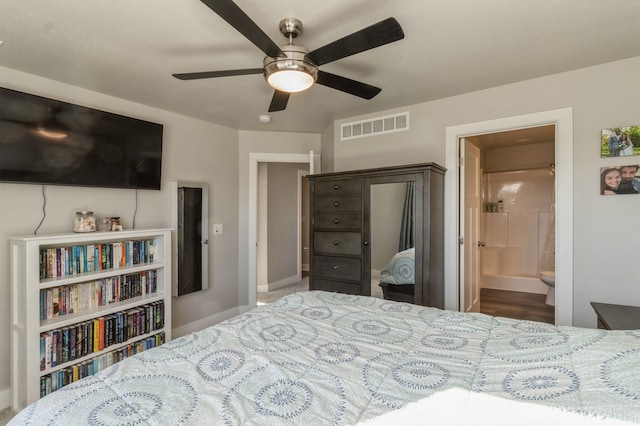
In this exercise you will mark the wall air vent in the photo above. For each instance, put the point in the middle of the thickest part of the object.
(375, 126)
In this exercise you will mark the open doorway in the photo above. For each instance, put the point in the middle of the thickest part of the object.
(280, 228)
(255, 159)
(455, 232)
(506, 201)
(293, 282)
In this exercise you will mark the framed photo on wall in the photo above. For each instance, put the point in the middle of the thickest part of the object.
(620, 141)
(618, 180)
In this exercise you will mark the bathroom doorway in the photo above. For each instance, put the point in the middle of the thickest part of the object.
(456, 240)
(512, 199)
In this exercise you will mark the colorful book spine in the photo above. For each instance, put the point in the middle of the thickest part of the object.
(58, 379)
(73, 260)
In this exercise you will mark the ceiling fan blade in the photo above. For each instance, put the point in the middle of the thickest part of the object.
(347, 85)
(239, 20)
(384, 32)
(212, 74)
(279, 101)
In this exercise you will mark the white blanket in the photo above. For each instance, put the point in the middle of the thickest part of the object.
(455, 407)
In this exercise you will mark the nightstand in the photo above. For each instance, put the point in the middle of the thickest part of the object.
(617, 317)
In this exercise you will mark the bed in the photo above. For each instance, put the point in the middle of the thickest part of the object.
(334, 359)
(397, 277)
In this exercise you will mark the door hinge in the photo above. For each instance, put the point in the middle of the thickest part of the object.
(461, 240)
(460, 161)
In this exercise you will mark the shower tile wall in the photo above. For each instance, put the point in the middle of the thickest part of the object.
(514, 237)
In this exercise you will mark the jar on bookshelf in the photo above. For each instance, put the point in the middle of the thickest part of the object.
(84, 221)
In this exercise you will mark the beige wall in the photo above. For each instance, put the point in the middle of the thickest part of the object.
(605, 257)
(327, 150)
(193, 150)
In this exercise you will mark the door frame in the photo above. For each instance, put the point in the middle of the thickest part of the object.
(301, 175)
(254, 159)
(563, 120)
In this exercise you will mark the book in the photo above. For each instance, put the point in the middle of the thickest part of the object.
(101, 332)
(96, 335)
(91, 258)
(43, 352)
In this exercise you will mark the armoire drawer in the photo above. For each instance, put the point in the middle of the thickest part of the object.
(338, 187)
(340, 268)
(337, 204)
(337, 242)
(338, 220)
(336, 286)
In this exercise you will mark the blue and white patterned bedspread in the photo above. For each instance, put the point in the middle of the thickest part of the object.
(321, 358)
(400, 269)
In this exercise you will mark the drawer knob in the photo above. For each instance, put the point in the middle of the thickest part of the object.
(335, 268)
(336, 221)
(336, 242)
(366, 243)
(336, 204)
(336, 187)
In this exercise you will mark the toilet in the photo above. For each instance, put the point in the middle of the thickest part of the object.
(549, 278)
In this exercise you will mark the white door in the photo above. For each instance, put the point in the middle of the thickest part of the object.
(470, 208)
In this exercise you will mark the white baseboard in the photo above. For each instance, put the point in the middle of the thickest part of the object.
(278, 284)
(245, 308)
(5, 399)
(204, 322)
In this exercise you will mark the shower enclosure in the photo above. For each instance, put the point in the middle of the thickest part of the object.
(517, 215)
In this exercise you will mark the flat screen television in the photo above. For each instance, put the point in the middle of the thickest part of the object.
(45, 141)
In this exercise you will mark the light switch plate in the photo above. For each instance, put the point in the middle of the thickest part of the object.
(217, 229)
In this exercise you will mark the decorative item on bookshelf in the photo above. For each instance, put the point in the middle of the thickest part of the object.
(84, 221)
(111, 223)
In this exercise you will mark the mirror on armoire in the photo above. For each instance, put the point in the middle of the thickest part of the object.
(190, 211)
(392, 238)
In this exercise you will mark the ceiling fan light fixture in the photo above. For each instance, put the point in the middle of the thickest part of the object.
(290, 81)
(291, 74)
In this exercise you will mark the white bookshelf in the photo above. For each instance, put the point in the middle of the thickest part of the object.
(27, 322)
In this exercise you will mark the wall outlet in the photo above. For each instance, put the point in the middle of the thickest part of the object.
(217, 229)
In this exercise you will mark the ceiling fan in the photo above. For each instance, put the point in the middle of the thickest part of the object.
(290, 69)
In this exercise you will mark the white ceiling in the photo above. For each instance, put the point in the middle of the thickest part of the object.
(130, 48)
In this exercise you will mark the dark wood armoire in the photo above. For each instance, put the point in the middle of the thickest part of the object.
(341, 231)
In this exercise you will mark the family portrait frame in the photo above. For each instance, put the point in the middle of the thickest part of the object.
(616, 180)
(620, 141)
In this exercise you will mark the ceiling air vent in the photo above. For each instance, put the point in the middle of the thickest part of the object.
(375, 126)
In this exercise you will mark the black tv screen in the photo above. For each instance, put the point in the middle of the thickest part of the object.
(45, 141)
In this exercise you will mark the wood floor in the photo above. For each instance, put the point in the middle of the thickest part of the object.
(501, 303)
(515, 304)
